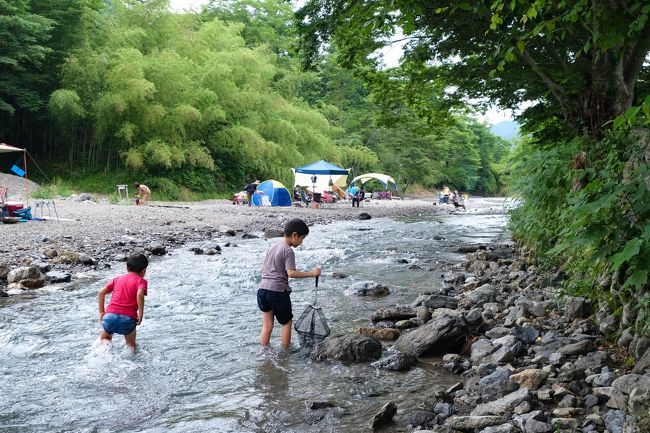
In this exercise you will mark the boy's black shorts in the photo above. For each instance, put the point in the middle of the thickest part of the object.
(277, 302)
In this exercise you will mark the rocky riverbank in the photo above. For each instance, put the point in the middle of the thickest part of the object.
(527, 361)
(92, 233)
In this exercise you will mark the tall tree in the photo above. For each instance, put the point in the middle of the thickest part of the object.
(574, 60)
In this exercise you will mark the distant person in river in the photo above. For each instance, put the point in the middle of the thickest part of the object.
(250, 190)
(353, 192)
(273, 296)
(126, 308)
(142, 194)
(456, 201)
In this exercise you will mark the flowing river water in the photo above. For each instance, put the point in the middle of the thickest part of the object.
(199, 366)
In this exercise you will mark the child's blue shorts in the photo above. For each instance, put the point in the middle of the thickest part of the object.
(118, 324)
(277, 302)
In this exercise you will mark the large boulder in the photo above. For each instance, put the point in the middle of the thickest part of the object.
(348, 348)
(477, 297)
(444, 333)
(367, 288)
(389, 334)
(28, 276)
(502, 405)
(397, 362)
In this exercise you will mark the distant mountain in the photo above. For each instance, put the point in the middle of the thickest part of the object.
(507, 129)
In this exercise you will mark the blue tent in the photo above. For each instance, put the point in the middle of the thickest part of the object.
(321, 167)
(271, 193)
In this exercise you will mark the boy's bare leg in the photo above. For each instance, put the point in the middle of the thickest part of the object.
(130, 339)
(286, 334)
(105, 338)
(267, 327)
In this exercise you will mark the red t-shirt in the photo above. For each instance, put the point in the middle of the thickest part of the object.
(125, 294)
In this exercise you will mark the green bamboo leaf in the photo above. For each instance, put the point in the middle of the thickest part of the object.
(637, 279)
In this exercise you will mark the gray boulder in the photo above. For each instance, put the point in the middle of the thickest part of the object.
(614, 421)
(579, 348)
(471, 423)
(643, 364)
(4, 270)
(393, 313)
(503, 405)
(273, 233)
(29, 276)
(480, 295)
(367, 288)
(397, 362)
(348, 348)
(440, 301)
(575, 307)
(444, 333)
(157, 249)
(384, 416)
(58, 277)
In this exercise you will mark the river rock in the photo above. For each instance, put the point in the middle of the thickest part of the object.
(575, 307)
(28, 276)
(397, 362)
(593, 360)
(157, 249)
(367, 288)
(526, 333)
(393, 313)
(579, 348)
(629, 382)
(444, 333)
(348, 348)
(85, 259)
(643, 364)
(472, 423)
(4, 270)
(273, 233)
(384, 416)
(422, 418)
(364, 216)
(50, 252)
(58, 277)
(614, 421)
(503, 405)
(503, 428)
(477, 297)
(440, 301)
(531, 378)
(249, 236)
(388, 334)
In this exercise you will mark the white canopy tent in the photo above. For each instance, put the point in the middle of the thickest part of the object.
(322, 181)
(5, 148)
(383, 178)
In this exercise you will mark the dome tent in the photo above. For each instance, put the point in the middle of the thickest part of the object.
(271, 193)
(384, 179)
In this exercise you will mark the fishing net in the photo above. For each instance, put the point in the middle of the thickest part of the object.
(311, 326)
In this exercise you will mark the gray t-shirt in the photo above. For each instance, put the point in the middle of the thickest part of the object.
(278, 260)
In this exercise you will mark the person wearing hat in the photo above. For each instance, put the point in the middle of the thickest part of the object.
(250, 190)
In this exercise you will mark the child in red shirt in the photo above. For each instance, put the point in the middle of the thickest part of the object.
(126, 308)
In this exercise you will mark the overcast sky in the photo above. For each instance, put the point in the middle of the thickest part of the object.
(391, 56)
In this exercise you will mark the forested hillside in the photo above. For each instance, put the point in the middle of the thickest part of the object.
(198, 104)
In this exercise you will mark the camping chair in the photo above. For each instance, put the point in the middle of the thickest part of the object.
(304, 198)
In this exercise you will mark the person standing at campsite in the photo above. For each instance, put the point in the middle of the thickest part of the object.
(353, 192)
(142, 193)
(250, 190)
(126, 308)
(273, 296)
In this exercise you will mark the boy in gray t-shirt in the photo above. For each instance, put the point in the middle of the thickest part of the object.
(273, 296)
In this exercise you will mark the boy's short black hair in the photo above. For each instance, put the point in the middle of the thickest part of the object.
(296, 226)
(137, 262)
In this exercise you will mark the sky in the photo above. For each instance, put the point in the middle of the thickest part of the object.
(391, 58)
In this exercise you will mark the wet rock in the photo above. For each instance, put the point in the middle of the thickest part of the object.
(3, 294)
(58, 277)
(444, 333)
(339, 275)
(472, 423)
(249, 236)
(576, 307)
(397, 362)
(316, 405)
(466, 249)
(387, 334)
(366, 288)
(384, 416)
(402, 261)
(393, 313)
(502, 405)
(198, 251)
(453, 278)
(157, 249)
(348, 348)
(531, 378)
(4, 270)
(211, 252)
(28, 276)
(273, 233)
(503, 428)
(364, 216)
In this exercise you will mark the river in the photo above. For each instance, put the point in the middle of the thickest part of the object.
(199, 366)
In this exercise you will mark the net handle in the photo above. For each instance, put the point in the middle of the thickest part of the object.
(316, 290)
